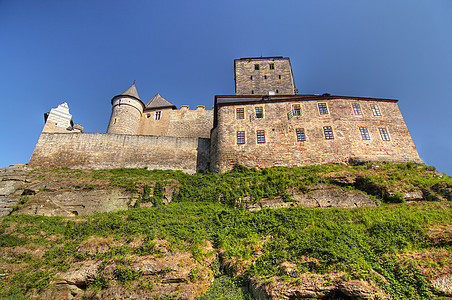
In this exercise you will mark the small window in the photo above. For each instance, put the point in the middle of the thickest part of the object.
(277, 91)
(158, 114)
(357, 109)
(259, 112)
(265, 76)
(384, 134)
(240, 113)
(252, 91)
(301, 137)
(272, 66)
(364, 133)
(251, 77)
(279, 76)
(240, 137)
(148, 116)
(375, 109)
(323, 109)
(260, 136)
(328, 132)
(296, 110)
(256, 67)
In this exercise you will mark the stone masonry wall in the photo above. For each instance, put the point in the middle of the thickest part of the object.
(125, 116)
(249, 81)
(107, 151)
(281, 147)
(182, 122)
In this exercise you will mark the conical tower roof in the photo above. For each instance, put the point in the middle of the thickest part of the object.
(159, 102)
(130, 92)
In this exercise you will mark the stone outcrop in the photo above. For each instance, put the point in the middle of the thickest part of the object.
(12, 185)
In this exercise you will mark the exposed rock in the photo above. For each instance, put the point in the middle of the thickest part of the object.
(80, 274)
(414, 195)
(443, 284)
(358, 289)
(70, 203)
(320, 196)
(12, 183)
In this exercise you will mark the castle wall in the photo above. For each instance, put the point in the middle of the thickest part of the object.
(182, 122)
(249, 81)
(281, 147)
(125, 116)
(107, 151)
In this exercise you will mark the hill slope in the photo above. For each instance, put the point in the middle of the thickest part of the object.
(392, 249)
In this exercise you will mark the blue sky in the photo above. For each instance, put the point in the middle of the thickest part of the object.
(85, 52)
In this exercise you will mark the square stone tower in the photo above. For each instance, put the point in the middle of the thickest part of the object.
(264, 76)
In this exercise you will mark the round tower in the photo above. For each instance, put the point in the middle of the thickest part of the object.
(126, 112)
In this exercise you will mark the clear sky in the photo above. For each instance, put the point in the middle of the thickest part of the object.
(85, 52)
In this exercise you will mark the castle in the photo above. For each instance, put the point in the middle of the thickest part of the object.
(265, 124)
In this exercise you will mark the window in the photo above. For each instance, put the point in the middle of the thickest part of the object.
(265, 76)
(272, 66)
(277, 91)
(256, 67)
(296, 110)
(328, 132)
(259, 112)
(252, 91)
(260, 136)
(323, 109)
(240, 113)
(240, 137)
(357, 109)
(364, 133)
(279, 76)
(158, 114)
(251, 77)
(300, 135)
(148, 116)
(384, 134)
(375, 110)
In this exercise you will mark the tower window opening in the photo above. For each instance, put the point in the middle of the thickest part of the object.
(240, 137)
(357, 109)
(265, 76)
(375, 109)
(260, 136)
(301, 137)
(328, 132)
(384, 134)
(277, 91)
(240, 113)
(272, 66)
(158, 114)
(251, 77)
(364, 133)
(296, 110)
(252, 91)
(256, 67)
(259, 112)
(279, 76)
(323, 109)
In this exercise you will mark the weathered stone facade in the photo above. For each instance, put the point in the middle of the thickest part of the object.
(265, 125)
(107, 151)
(183, 122)
(264, 76)
(280, 145)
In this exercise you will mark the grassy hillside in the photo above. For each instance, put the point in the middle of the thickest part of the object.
(397, 247)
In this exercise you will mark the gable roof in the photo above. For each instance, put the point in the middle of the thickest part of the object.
(159, 102)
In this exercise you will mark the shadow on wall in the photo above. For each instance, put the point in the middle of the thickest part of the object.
(203, 155)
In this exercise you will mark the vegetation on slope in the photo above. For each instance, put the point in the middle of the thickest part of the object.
(381, 245)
